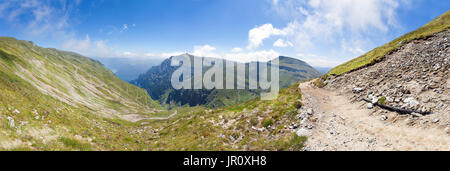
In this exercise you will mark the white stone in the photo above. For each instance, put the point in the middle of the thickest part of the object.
(369, 106)
(436, 120)
(11, 122)
(310, 111)
(411, 102)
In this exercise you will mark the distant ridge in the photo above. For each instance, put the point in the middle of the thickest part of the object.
(157, 82)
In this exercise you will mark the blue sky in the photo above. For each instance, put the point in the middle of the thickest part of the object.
(321, 32)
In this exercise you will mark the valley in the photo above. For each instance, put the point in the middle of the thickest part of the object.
(395, 97)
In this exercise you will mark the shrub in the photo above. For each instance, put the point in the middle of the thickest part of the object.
(254, 121)
(68, 142)
(297, 142)
(268, 122)
(382, 101)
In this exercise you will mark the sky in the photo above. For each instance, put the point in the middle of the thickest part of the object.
(324, 33)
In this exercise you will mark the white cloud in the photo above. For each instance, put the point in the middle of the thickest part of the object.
(90, 48)
(263, 55)
(319, 61)
(258, 34)
(78, 45)
(235, 50)
(329, 26)
(282, 43)
(327, 21)
(204, 51)
(36, 17)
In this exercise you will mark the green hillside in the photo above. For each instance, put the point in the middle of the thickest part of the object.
(55, 100)
(439, 24)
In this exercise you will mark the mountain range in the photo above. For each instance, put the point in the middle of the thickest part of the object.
(57, 100)
(157, 82)
(128, 69)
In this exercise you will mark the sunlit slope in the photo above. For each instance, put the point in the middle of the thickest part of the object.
(439, 24)
(70, 78)
(53, 100)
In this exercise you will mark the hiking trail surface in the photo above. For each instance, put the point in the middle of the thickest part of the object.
(340, 124)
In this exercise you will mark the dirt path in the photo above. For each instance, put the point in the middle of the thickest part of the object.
(342, 125)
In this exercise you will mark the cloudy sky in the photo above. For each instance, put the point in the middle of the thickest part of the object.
(322, 32)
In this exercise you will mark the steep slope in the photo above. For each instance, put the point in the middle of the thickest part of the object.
(396, 97)
(73, 79)
(54, 100)
(157, 82)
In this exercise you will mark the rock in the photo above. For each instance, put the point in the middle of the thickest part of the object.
(412, 102)
(374, 100)
(357, 90)
(437, 67)
(384, 117)
(369, 106)
(293, 126)
(11, 122)
(416, 114)
(303, 132)
(310, 112)
(390, 100)
(301, 116)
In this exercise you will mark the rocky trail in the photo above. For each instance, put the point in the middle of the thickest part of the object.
(339, 124)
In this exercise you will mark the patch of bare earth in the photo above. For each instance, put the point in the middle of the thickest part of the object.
(343, 125)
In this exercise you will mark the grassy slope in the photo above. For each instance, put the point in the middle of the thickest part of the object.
(437, 25)
(73, 78)
(31, 119)
(198, 128)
